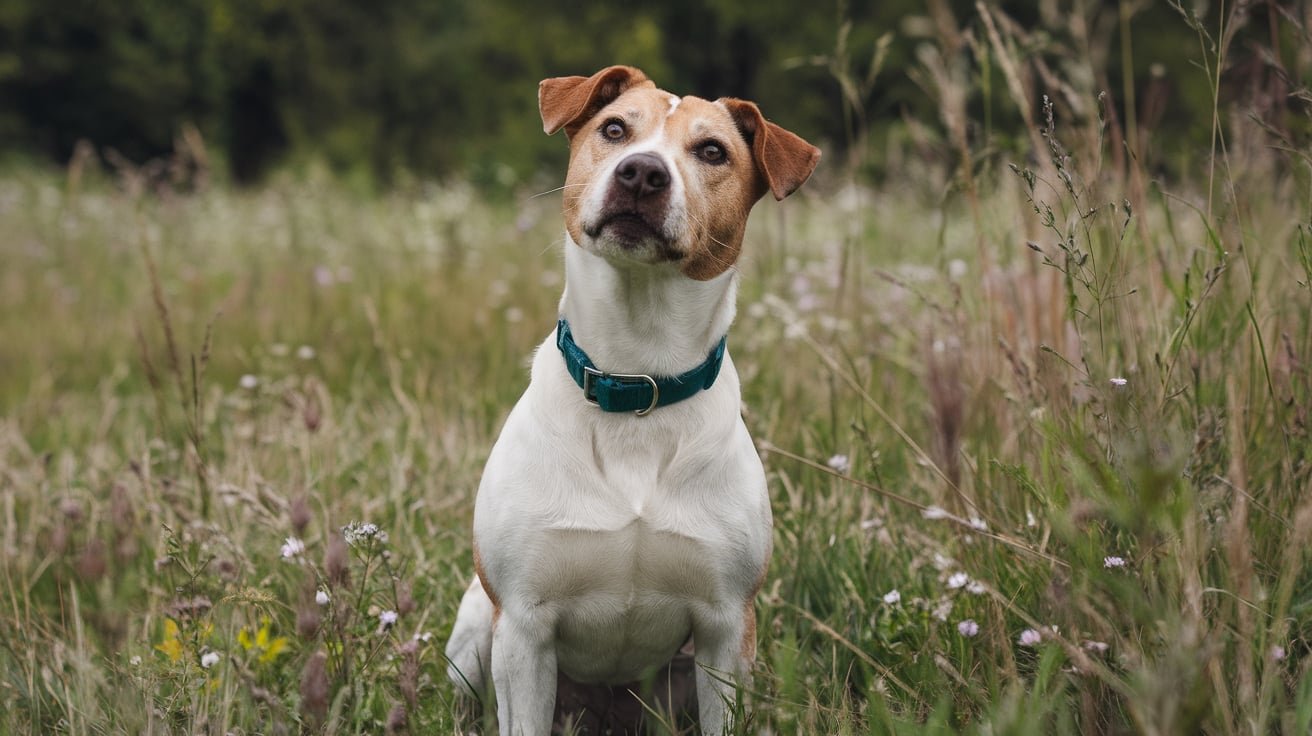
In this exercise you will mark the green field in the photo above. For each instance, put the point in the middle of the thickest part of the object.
(1036, 437)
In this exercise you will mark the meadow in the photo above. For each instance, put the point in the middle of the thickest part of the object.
(1036, 432)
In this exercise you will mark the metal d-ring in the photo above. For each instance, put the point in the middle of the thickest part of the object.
(590, 376)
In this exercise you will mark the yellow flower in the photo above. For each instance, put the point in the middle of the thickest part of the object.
(171, 646)
(264, 643)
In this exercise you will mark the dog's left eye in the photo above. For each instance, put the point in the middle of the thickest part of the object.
(614, 130)
(711, 152)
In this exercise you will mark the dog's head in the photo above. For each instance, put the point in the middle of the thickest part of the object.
(655, 177)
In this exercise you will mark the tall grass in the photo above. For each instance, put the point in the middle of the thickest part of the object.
(1036, 429)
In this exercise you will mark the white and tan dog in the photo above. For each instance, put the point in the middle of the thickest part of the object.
(623, 508)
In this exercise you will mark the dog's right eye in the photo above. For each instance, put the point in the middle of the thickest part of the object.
(614, 130)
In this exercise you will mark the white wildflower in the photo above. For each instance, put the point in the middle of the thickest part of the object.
(956, 269)
(839, 463)
(209, 659)
(293, 547)
(1030, 638)
(892, 597)
(934, 512)
(305, 352)
(975, 587)
(942, 610)
(958, 580)
(1112, 561)
(1118, 381)
(386, 620)
(978, 524)
(248, 382)
(1277, 653)
(1095, 646)
(968, 627)
(357, 533)
(321, 597)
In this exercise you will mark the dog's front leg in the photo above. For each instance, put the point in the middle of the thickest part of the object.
(524, 674)
(725, 646)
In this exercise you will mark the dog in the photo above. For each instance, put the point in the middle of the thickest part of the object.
(623, 513)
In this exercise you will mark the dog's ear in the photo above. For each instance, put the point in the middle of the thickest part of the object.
(569, 102)
(782, 158)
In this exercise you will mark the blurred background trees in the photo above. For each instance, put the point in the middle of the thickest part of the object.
(445, 89)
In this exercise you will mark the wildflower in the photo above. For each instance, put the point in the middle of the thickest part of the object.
(978, 524)
(975, 587)
(357, 533)
(396, 719)
(323, 276)
(1113, 561)
(264, 643)
(335, 563)
(425, 636)
(305, 352)
(71, 509)
(942, 561)
(942, 610)
(1030, 521)
(209, 659)
(839, 463)
(321, 597)
(300, 513)
(314, 688)
(171, 646)
(1277, 653)
(892, 597)
(386, 620)
(405, 600)
(293, 547)
(135, 661)
(958, 580)
(92, 563)
(1030, 638)
(1095, 646)
(1118, 382)
(248, 382)
(968, 627)
(934, 512)
(956, 269)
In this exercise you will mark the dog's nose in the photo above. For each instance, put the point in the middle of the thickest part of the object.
(643, 174)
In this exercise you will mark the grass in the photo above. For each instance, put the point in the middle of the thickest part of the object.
(1038, 450)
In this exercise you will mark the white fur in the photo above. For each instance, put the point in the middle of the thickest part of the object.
(608, 538)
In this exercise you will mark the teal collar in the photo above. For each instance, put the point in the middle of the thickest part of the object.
(635, 392)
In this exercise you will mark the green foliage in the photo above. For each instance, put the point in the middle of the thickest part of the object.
(381, 90)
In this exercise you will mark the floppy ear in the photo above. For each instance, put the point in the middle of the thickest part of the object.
(782, 158)
(569, 102)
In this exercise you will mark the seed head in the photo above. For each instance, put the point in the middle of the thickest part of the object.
(314, 688)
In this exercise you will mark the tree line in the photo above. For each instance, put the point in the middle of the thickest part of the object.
(449, 88)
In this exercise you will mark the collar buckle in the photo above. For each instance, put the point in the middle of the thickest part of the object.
(592, 375)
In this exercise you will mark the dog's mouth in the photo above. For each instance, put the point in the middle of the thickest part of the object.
(630, 229)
